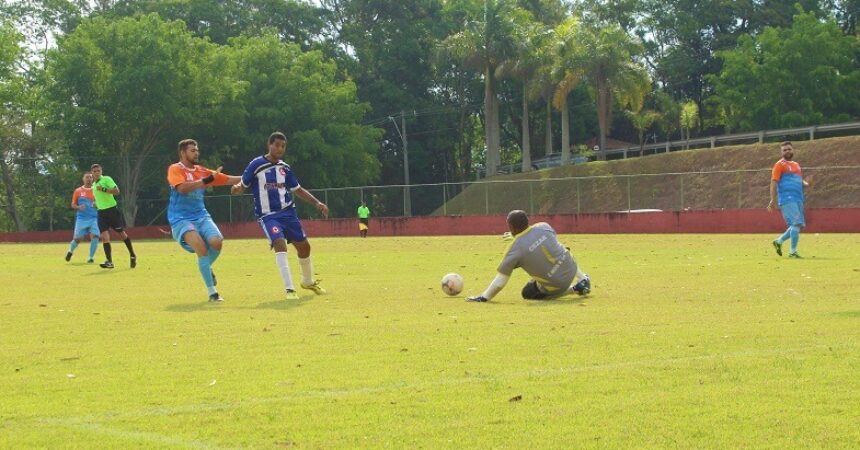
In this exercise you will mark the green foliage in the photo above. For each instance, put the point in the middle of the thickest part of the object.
(789, 77)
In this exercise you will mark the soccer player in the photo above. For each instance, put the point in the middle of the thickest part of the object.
(786, 186)
(104, 190)
(273, 185)
(363, 215)
(536, 249)
(86, 218)
(192, 226)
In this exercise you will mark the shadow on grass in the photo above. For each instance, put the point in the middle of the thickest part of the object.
(853, 314)
(194, 306)
(564, 301)
(283, 303)
(105, 271)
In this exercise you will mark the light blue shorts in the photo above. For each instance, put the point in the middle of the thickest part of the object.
(205, 227)
(792, 212)
(86, 226)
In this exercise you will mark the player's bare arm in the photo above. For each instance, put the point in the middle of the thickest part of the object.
(770, 204)
(308, 197)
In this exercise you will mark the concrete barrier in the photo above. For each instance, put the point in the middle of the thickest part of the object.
(821, 220)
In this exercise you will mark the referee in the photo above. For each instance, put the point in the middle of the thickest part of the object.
(104, 190)
(363, 215)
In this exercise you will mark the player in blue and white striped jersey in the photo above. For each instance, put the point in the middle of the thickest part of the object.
(274, 186)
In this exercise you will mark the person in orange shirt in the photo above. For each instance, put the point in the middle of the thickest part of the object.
(190, 223)
(86, 218)
(786, 187)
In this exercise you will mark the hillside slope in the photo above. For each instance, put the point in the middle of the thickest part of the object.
(652, 182)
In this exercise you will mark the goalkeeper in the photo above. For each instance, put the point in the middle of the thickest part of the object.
(536, 249)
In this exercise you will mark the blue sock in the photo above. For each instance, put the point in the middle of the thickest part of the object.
(213, 255)
(795, 236)
(205, 266)
(785, 236)
(94, 245)
(73, 245)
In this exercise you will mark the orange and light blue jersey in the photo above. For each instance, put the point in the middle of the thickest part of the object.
(189, 206)
(789, 181)
(84, 196)
(271, 184)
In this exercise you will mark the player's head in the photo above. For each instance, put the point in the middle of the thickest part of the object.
(188, 151)
(96, 170)
(517, 221)
(787, 150)
(88, 179)
(277, 145)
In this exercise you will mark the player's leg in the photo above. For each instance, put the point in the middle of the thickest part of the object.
(274, 232)
(104, 226)
(185, 233)
(532, 292)
(77, 236)
(119, 226)
(296, 236)
(793, 215)
(93, 229)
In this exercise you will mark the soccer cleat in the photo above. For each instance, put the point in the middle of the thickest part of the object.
(794, 255)
(291, 295)
(583, 287)
(315, 286)
(68, 256)
(477, 298)
(778, 248)
(106, 265)
(133, 262)
(216, 298)
(90, 261)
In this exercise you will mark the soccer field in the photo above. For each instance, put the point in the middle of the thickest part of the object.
(687, 341)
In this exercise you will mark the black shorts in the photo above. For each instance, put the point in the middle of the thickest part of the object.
(111, 218)
(531, 292)
(363, 220)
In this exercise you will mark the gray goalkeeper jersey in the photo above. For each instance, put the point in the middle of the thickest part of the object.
(539, 253)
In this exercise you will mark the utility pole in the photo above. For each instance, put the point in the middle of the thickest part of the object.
(407, 203)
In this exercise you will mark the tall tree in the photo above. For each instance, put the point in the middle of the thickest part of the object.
(121, 88)
(488, 39)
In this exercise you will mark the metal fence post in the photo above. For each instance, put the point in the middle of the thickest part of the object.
(740, 188)
(577, 196)
(486, 198)
(444, 199)
(761, 137)
(531, 199)
(230, 204)
(628, 194)
(682, 191)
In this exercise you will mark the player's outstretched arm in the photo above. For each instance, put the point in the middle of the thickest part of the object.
(494, 288)
(308, 197)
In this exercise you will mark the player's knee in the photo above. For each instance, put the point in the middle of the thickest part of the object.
(216, 243)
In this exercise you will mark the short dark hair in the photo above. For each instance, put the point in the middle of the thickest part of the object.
(784, 143)
(95, 165)
(518, 219)
(185, 143)
(277, 135)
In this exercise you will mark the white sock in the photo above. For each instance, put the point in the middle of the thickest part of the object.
(307, 271)
(284, 267)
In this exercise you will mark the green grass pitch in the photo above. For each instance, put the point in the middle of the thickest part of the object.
(687, 341)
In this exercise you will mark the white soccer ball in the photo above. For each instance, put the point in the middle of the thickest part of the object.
(452, 284)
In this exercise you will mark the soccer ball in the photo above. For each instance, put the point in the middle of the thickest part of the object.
(452, 284)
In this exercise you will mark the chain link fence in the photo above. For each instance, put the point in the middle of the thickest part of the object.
(833, 187)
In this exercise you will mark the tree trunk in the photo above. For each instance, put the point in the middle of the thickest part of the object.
(491, 123)
(565, 133)
(548, 137)
(11, 205)
(527, 147)
(603, 104)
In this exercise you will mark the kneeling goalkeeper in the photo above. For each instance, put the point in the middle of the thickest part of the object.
(536, 249)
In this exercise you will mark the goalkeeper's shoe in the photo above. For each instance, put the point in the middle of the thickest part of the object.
(583, 287)
(292, 295)
(778, 247)
(133, 262)
(106, 265)
(315, 286)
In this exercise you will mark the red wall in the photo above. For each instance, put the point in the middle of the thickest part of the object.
(825, 220)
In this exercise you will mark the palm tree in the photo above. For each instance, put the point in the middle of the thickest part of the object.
(484, 44)
(608, 61)
(567, 72)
